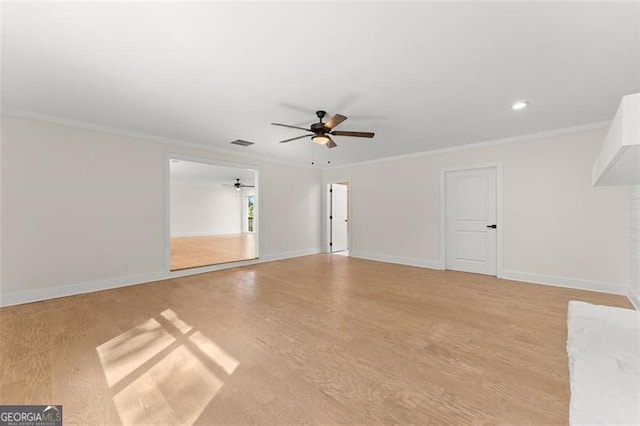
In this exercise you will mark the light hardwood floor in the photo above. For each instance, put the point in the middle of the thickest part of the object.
(191, 252)
(317, 339)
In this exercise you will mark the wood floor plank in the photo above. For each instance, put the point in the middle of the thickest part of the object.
(318, 339)
(192, 252)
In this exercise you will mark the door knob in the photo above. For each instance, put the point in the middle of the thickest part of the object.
(492, 226)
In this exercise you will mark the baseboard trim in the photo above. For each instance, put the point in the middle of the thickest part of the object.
(408, 261)
(634, 299)
(205, 234)
(289, 255)
(574, 283)
(40, 295)
(125, 281)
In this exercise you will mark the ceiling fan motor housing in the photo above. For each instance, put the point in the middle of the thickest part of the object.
(318, 128)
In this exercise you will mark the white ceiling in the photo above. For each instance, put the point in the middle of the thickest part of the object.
(423, 76)
(201, 174)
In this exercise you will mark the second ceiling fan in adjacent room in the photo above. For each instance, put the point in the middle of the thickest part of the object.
(238, 186)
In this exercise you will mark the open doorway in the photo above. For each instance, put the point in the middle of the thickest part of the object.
(338, 203)
(213, 211)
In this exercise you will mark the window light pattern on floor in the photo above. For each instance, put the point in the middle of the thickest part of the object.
(163, 371)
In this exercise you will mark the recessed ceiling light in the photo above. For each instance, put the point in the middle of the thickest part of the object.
(520, 105)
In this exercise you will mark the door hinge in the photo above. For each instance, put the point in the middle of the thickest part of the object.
(330, 244)
(330, 217)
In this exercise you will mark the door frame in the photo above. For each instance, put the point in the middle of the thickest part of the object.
(168, 155)
(327, 211)
(499, 206)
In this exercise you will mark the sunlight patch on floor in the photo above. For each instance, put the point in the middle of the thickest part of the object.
(214, 352)
(163, 371)
(171, 316)
(123, 354)
(175, 390)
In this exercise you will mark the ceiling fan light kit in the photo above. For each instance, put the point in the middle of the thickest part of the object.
(320, 139)
(320, 132)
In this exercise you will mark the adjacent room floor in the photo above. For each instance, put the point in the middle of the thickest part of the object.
(320, 339)
(191, 252)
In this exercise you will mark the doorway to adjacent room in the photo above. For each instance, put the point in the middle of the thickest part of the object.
(212, 213)
(338, 225)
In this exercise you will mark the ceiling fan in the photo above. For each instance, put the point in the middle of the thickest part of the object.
(238, 186)
(320, 131)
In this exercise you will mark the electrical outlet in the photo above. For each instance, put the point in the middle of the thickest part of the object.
(126, 265)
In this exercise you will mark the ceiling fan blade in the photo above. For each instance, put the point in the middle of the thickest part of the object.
(248, 186)
(331, 143)
(356, 134)
(291, 127)
(293, 139)
(334, 121)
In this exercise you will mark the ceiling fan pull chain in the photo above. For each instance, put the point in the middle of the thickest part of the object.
(311, 151)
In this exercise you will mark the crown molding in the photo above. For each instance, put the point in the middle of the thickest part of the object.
(147, 137)
(194, 145)
(478, 145)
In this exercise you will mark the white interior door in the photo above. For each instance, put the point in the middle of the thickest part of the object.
(338, 217)
(471, 214)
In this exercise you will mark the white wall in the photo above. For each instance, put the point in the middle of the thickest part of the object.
(558, 228)
(634, 244)
(285, 216)
(205, 210)
(77, 203)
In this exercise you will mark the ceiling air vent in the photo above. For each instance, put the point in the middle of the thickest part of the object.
(241, 142)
